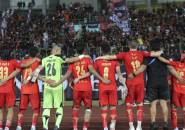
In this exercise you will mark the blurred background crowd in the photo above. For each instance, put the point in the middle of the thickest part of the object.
(22, 29)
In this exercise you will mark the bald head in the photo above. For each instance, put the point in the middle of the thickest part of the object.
(56, 50)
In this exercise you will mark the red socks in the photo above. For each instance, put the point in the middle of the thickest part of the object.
(20, 118)
(35, 119)
(104, 118)
(86, 125)
(113, 114)
(174, 118)
(75, 119)
(139, 113)
(130, 113)
(1, 124)
(184, 118)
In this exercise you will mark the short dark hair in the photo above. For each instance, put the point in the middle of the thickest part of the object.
(177, 57)
(105, 48)
(33, 51)
(80, 49)
(5, 55)
(133, 44)
(155, 44)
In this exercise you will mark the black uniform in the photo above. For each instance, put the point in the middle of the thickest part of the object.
(157, 83)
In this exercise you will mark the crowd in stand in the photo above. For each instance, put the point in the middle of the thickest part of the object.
(19, 32)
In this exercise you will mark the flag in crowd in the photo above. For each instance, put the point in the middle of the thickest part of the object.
(120, 15)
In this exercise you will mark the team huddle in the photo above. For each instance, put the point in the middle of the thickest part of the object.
(49, 70)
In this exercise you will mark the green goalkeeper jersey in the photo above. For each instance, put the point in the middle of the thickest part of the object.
(53, 69)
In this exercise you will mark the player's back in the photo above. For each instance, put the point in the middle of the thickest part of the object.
(30, 69)
(53, 67)
(81, 68)
(6, 68)
(133, 60)
(30, 87)
(107, 70)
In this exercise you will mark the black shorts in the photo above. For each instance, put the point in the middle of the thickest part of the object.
(157, 92)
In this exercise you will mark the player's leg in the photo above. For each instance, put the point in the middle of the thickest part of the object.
(45, 117)
(104, 113)
(139, 116)
(1, 119)
(2, 104)
(164, 106)
(24, 100)
(113, 116)
(164, 97)
(47, 105)
(35, 103)
(139, 99)
(129, 105)
(9, 118)
(175, 102)
(184, 117)
(103, 100)
(129, 110)
(75, 118)
(77, 97)
(182, 103)
(10, 101)
(58, 104)
(113, 112)
(87, 98)
(152, 95)
(153, 112)
(174, 117)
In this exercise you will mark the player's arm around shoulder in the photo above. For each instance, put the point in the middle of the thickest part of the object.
(107, 57)
(29, 63)
(76, 59)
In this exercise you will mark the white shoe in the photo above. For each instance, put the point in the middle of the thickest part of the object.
(19, 128)
(6, 128)
(84, 128)
(1, 128)
(105, 128)
(132, 128)
(178, 129)
(33, 128)
(139, 128)
(75, 129)
(112, 126)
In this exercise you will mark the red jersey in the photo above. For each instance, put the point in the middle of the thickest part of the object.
(107, 70)
(6, 68)
(29, 88)
(133, 60)
(180, 68)
(78, 69)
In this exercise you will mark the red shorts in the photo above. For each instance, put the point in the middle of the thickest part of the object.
(34, 99)
(135, 92)
(178, 99)
(7, 99)
(79, 96)
(108, 97)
